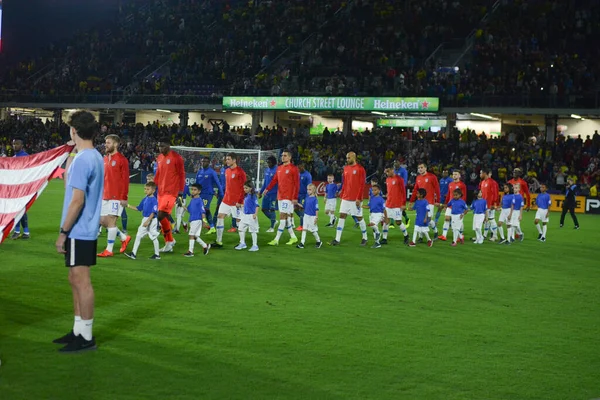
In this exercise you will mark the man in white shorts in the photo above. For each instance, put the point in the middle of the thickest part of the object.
(235, 177)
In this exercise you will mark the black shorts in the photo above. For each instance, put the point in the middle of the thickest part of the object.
(80, 252)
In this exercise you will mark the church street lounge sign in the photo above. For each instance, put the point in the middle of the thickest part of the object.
(381, 104)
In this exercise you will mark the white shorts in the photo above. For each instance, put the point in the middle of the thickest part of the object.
(457, 221)
(394, 213)
(151, 230)
(248, 223)
(330, 204)
(285, 206)
(430, 211)
(309, 224)
(229, 210)
(491, 213)
(350, 208)
(478, 221)
(179, 210)
(514, 221)
(375, 218)
(448, 212)
(542, 215)
(111, 207)
(421, 229)
(195, 228)
(504, 215)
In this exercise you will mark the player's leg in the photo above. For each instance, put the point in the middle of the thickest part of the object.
(207, 199)
(446, 227)
(385, 228)
(79, 277)
(425, 233)
(223, 212)
(563, 214)
(25, 224)
(153, 233)
(213, 223)
(363, 228)
(432, 224)
(124, 220)
(268, 211)
(242, 228)
(314, 229)
(544, 230)
(300, 212)
(110, 222)
(345, 209)
(402, 228)
(538, 226)
(179, 210)
(141, 233)
(493, 226)
(574, 217)
(407, 218)
(438, 213)
(253, 229)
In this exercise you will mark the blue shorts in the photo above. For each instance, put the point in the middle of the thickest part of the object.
(206, 199)
(269, 202)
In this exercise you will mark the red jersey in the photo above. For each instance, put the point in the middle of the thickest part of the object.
(489, 191)
(234, 186)
(396, 192)
(430, 183)
(116, 177)
(452, 187)
(288, 178)
(353, 183)
(524, 190)
(170, 174)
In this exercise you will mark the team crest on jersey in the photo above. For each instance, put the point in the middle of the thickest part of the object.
(393, 182)
(354, 172)
(205, 176)
(287, 171)
(168, 161)
(232, 176)
(426, 180)
(113, 163)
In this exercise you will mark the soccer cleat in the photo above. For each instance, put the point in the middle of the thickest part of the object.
(253, 248)
(474, 240)
(412, 244)
(318, 245)
(329, 225)
(493, 239)
(211, 231)
(334, 243)
(206, 250)
(168, 247)
(377, 245)
(217, 245)
(300, 246)
(130, 255)
(241, 246)
(462, 240)
(539, 236)
(66, 339)
(273, 243)
(561, 225)
(430, 243)
(406, 240)
(299, 229)
(154, 257)
(105, 253)
(543, 239)
(232, 230)
(576, 227)
(270, 230)
(79, 344)
(383, 241)
(521, 237)
(442, 238)
(363, 242)
(392, 227)
(292, 241)
(503, 241)
(189, 254)
(453, 244)
(15, 235)
(377, 236)
(124, 244)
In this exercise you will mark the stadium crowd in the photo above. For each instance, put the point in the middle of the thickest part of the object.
(468, 151)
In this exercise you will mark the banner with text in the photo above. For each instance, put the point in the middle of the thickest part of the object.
(382, 104)
(411, 123)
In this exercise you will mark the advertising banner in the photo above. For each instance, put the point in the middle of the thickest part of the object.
(410, 123)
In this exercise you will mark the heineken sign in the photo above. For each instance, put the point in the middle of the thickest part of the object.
(382, 104)
(421, 123)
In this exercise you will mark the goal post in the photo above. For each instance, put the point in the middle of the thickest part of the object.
(252, 161)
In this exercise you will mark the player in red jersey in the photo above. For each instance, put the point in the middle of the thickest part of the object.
(116, 190)
(288, 178)
(524, 187)
(235, 178)
(395, 204)
(429, 182)
(489, 192)
(452, 186)
(170, 179)
(352, 193)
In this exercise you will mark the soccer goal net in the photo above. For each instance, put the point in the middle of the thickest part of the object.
(252, 161)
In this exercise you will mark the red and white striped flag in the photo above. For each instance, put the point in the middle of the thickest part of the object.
(22, 180)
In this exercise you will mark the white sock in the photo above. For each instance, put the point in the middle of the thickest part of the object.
(121, 235)
(242, 236)
(539, 228)
(509, 232)
(478, 234)
(375, 230)
(384, 233)
(303, 239)
(111, 236)
(402, 228)
(415, 235)
(254, 239)
(363, 228)
(544, 229)
(191, 247)
(316, 235)
(445, 228)
(426, 234)
(331, 218)
(339, 229)
(201, 242)
(455, 235)
(77, 325)
(86, 328)
(493, 226)
(280, 229)
(500, 229)
(156, 246)
(291, 228)
(136, 244)
(177, 220)
(220, 228)
(433, 226)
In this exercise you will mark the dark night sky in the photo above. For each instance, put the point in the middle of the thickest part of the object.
(29, 25)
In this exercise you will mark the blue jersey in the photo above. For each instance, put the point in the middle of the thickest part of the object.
(331, 190)
(422, 209)
(403, 173)
(196, 209)
(269, 174)
(86, 173)
(250, 204)
(311, 206)
(186, 192)
(458, 206)
(305, 180)
(376, 204)
(21, 153)
(444, 182)
(479, 206)
(543, 201)
(518, 201)
(222, 179)
(208, 179)
(507, 200)
(148, 205)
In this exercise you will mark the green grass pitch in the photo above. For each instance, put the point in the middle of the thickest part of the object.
(472, 322)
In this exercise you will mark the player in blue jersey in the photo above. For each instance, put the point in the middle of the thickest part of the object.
(459, 210)
(269, 201)
(445, 180)
(18, 145)
(197, 218)
(479, 207)
(331, 191)
(180, 209)
(506, 204)
(220, 199)
(515, 215)
(311, 213)
(403, 173)
(305, 180)
(421, 228)
(149, 226)
(542, 214)
(249, 218)
(376, 212)
(208, 179)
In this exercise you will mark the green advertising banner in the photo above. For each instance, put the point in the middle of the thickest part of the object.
(411, 123)
(382, 104)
